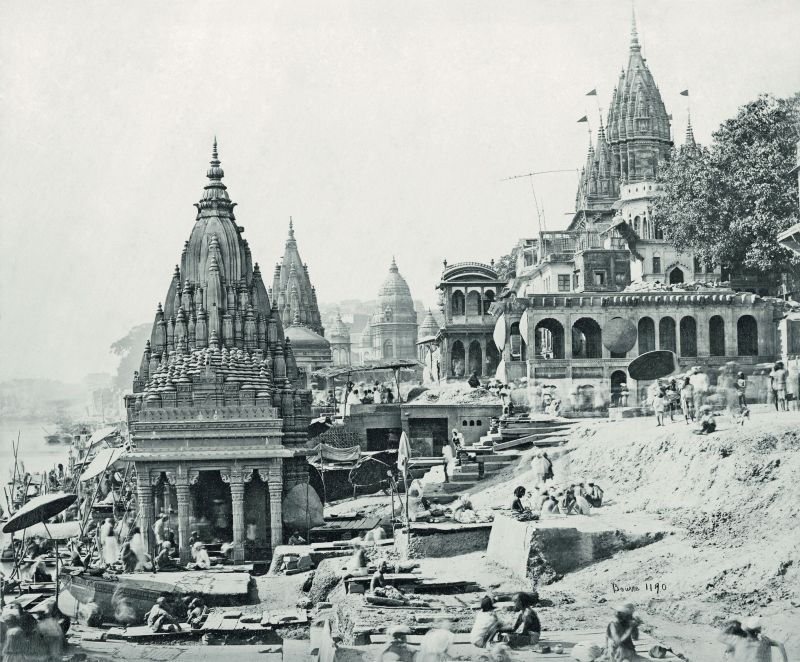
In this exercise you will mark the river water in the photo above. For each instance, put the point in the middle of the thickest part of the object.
(34, 451)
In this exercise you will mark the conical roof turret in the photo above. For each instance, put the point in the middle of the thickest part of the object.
(292, 289)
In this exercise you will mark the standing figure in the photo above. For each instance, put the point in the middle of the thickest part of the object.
(659, 405)
(687, 400)
(778, 382)
(108, 542)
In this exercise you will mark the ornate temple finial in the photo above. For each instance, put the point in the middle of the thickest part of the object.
(291, 231)
(215, 173)
(393, 266)
(689, 142)
(634, 32)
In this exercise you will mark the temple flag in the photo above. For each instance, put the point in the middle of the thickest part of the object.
(592, 93)
(403, 454)
(685, 93)
(583, 119)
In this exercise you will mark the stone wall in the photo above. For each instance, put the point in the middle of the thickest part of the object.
(443, 543)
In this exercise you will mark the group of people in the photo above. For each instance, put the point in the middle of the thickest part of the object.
(25, 637)
(164, 617)
(574, 499)
(365, 394)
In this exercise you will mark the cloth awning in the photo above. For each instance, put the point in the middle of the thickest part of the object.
(392, 364)
(335, 454)
(53, 531)
(99, 435)
(426, 340)
(103, 460)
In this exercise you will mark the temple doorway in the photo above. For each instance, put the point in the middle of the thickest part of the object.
(211, 515)
(676, 276)
(618, 384)
(257, 521)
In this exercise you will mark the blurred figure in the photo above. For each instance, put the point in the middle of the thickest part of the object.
(687, 400)
(707, 422)
(621, 633)
(659, 405)
(138, 548)
(201, 559)
(437, 644)
(296, 539)
(159, 619)
(396, 649)
(741, 389)
(486, 626)
(744, 642)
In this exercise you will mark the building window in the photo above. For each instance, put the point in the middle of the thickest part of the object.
(563, 282)
(656, 264)
(698, 268)
(576, 279)
(600, 278)
(479, 423)
(463, 424)
(528, 259)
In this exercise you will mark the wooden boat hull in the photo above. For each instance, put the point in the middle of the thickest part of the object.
(126, 598)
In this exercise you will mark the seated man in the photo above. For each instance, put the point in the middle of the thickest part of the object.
(594, 494)
(296, 539)
(196, 613)
(159, 619)
(164, 560)
(378, 579)
(486, 626)
(201, 559)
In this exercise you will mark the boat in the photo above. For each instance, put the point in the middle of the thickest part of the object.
(138, 592)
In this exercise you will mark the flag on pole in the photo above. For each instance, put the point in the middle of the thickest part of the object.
(592, 93)
(685, 93)
(403, 454)
(583, 119)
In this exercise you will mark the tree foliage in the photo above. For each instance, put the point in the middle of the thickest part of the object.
(129, 348)
(728, 202)
(506, 266)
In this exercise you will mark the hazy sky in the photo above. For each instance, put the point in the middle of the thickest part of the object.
(381, 127)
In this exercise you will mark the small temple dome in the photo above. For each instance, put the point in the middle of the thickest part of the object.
(302, 337)
(394, 299)
(430, 327)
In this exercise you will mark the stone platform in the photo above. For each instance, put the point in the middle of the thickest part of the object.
(560, 544)
(434, 540)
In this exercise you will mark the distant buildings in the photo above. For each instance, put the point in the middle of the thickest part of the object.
(392, 330)
(587, 300)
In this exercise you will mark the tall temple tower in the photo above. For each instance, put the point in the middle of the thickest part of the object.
(393, 327)
(296, 300)
(218, 415)
(292, 290)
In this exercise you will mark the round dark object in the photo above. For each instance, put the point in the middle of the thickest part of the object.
(619, 335)
(653, 365)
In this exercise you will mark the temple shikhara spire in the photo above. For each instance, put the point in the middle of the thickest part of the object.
(217, 378)
(294, 294)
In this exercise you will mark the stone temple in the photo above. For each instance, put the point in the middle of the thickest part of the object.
(219, 413)
(296, 299)
(585, 301)
(392, 330)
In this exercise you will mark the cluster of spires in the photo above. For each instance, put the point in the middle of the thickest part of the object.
(292, 291)
(635, 138)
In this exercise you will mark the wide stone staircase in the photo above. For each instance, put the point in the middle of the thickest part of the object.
(494, 453)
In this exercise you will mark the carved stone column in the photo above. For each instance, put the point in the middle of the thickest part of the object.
(144, 498)
(236, 480)
(275, 484)
(184, 512)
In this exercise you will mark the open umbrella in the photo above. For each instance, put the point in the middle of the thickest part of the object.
(39, 509)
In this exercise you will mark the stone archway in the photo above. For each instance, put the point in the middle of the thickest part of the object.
(676, 276)
(549, 339)
(475, 358)
(457, 360)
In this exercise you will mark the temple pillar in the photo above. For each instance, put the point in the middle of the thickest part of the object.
(184, 506)
(144, 497)
(275, 485)
(237, 510)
